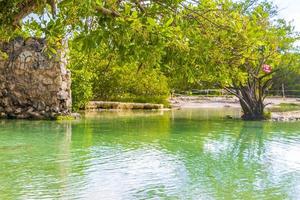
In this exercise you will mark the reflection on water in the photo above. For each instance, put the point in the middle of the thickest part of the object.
(184, 154)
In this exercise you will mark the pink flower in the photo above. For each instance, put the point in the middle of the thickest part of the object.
(266, 68)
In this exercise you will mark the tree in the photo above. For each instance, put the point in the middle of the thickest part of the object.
(217, 42)
(238, 49)
(264, 49)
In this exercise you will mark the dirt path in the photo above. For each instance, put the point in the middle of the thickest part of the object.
(219, 102)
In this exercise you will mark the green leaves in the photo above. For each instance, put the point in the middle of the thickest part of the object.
(189, 43)
(169, 22)
(151, 21)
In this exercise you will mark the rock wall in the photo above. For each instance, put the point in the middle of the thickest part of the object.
(33, 84)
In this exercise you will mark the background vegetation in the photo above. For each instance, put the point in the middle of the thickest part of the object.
(142, 50)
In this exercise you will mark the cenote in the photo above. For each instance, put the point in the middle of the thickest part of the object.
(183, 154)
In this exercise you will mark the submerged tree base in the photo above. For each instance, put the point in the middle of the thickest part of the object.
(258, 117)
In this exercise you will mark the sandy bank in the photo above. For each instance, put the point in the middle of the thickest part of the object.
(220, 102)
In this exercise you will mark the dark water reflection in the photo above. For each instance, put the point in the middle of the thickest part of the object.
(185, 154)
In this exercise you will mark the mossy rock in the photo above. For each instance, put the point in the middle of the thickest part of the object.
(70, 117)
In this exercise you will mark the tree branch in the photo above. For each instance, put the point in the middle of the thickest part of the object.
(108, 12)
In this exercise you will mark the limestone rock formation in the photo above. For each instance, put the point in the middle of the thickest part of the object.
(32, 83)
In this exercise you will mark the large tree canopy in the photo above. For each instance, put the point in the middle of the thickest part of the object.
(234, 49)
(219, 43)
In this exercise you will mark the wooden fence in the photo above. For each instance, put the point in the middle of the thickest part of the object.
(222, 92)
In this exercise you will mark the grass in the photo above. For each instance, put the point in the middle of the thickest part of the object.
(285, 107)
(65, 118)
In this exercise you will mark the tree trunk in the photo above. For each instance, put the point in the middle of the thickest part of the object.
(251, 96)
(253, 107)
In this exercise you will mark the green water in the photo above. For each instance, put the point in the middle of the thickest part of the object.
(186, 154)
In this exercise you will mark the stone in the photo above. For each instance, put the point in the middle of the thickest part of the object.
(30, 109)
(47, 81)
(4, 92)
(55, 109)
(53, 115)
(11, 87)
(30, 42)
(34, 115)
(62, 95)
(64, 85)
(18, 110)
(8, 110)
(58, 80)
(52, 74)
(35, 44)
(3, 115)
(5, 102)
(39, 106)
(18, 42)
(25, 56)
(23, 116)
(76, 115)
(35, 86)
(285, 116)
(20, 72)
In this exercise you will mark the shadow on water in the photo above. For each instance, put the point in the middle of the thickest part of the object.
(34, 157)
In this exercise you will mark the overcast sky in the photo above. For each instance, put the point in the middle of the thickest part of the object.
(289, 10)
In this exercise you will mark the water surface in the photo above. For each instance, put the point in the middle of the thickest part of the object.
(184, 154)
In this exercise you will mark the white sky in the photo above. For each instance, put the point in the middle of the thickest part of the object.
(289, 10)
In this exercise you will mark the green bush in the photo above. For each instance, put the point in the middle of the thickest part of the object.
(82, 91)
(102, 75)
(267, 115)
(285, 107)
(127, 85)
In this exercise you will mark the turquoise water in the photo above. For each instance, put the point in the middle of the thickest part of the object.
(184, 154)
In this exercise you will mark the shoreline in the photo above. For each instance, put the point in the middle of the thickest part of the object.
(222, 102)
(196, 102)
(187, 102)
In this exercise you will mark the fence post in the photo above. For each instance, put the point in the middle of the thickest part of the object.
(283, 92)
